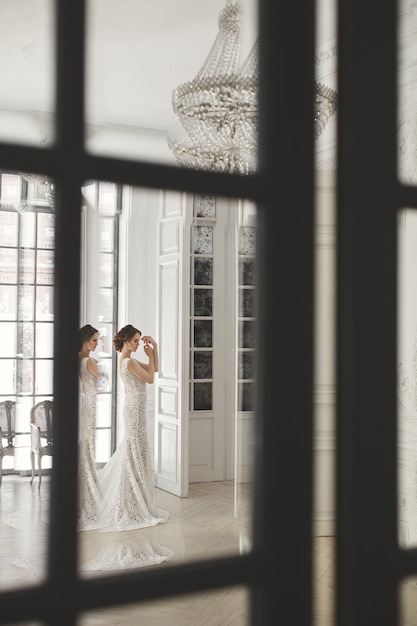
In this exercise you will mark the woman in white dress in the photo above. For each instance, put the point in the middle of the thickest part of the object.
(127, 479)
(89, 497)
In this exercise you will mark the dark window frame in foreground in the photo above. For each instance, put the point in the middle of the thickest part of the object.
(277, 572)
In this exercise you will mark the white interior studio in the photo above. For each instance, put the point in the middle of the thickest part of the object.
(173, 83)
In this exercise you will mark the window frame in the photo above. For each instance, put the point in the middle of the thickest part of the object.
(277, 572)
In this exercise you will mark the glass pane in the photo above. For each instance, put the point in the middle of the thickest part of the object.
(106, 270)
(203, 400)
(407, 117)
(98, 421)
(11, 189)
(105, 305)
(107, 198)
(27, 266)
(8, 228)
(247, 334)
(203, 271)
(407, 378)
(246, 397)
(27, 74)
(27, 230)
(45, 267)
(203, 302)
(8, 302)
(203, 334)
(8, 265)
(104, 408)
(246, 364)
(23, 374)
(25, 340)
(203, 240)
(44, 341)
(105, 347)
(247, 271)
(203, 365)
(7, 376)
(205, 96)
(26, 303)
(106, 235)
(103, 447)
(46, 231)
(8, 339)
(44, 303)
(25, 377)
(161, 303)
(44, 377)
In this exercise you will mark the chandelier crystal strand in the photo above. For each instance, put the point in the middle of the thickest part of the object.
(325, 104)
(218, 108)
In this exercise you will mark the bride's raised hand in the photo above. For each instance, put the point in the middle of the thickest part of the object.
(148, 340)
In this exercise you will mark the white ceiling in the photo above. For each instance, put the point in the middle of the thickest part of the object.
(137, 52)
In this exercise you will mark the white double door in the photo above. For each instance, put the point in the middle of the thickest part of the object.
(194, 446)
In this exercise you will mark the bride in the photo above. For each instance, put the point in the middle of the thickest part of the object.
(89, 501)
(126, 482)
(127, 479)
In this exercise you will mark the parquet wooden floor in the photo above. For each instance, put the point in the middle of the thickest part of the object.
(200, 526)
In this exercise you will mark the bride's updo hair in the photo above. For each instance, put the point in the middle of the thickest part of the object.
(125, 334)
(85, 333)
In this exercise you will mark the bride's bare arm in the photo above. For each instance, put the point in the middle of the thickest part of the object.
(143, 371)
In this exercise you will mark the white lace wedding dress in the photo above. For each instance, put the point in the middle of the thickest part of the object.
(127, 480)
(127, 495)
(89, 496)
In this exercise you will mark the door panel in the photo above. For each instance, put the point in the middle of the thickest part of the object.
(171, 440)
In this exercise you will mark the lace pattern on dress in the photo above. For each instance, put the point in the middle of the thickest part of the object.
(89, 498)
(127, 479)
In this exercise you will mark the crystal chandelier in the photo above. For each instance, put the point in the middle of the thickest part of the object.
(218, 108)
(325, 104)
(40, 179)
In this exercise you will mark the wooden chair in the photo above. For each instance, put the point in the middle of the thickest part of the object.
(41, 435)
(7, 431)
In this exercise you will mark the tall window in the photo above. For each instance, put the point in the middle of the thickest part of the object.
(99, 275)
(27, 242)
(27, 269)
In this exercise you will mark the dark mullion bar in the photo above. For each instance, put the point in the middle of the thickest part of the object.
(62, 555)
(366, 315)
(129, 172)
(407, 563)
(407, 197)
(285, 315)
